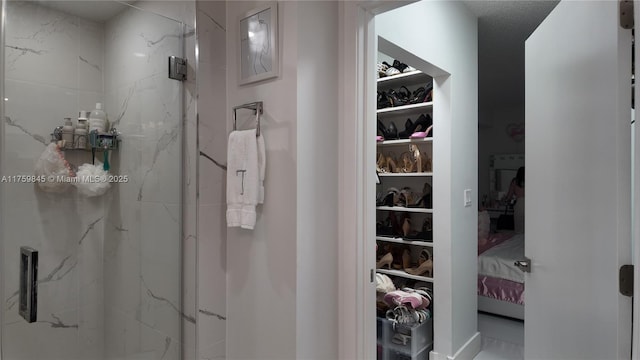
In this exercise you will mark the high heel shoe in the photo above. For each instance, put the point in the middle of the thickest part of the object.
(381, 164)
(415, 151)
(425, 265)
(426, 234)
(407, 163)
(385, 261)
(408, 129)
(422, 123)
(425, 199)
(392, 131)
(391, 164)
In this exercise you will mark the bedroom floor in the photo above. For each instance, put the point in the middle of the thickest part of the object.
(502, 338)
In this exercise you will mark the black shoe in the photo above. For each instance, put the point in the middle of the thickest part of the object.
(422, 124)
(408, 129)
(392, 132)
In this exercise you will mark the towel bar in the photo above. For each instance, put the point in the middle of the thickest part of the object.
(256, 107)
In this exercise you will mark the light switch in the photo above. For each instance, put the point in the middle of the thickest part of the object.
(467, 197)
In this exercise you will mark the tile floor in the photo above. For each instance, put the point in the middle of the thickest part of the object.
(502, 338)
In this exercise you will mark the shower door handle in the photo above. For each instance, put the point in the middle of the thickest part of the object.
(28, 283)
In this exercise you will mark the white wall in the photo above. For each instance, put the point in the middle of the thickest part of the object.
(317, 197)
(451, 44)
(282, 277)
(261, 264)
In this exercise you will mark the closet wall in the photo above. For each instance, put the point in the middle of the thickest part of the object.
(450, 42)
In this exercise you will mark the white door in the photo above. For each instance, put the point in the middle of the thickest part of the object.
(578, 181)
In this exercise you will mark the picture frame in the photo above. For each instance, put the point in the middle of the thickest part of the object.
(258, 44)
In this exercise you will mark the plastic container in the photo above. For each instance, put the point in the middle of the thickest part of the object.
(98, 119)
(80, 136)
(67, 133)
(418, 343)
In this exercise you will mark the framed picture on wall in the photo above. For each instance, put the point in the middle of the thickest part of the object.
(258, 50)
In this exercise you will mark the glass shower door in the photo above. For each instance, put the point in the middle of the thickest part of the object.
(109, 266)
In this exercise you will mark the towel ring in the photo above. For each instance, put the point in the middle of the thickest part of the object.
(256, 107)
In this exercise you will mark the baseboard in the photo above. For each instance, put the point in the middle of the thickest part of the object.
(466, 352)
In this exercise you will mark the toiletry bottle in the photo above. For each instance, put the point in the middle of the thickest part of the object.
(67, 133)
(98, 119)
(80, 137)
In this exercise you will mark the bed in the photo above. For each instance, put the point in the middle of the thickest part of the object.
(500, 282)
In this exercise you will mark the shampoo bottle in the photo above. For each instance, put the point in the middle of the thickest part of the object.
(98, 119)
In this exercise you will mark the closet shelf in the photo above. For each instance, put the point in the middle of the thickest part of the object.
(406, 174)
(404, 79)
(405, 109)
(403, 274)
(403, 241)
(405, 209)
(405, 141)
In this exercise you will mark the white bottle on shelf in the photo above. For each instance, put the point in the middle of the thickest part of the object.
(67, 133)
(80, 137)
(98, 119)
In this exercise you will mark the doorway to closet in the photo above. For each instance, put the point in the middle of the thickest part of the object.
(457, 337)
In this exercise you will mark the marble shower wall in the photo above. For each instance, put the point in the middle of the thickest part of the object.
(142, 267)
(110, 282)
(54, 67)
(212, 235)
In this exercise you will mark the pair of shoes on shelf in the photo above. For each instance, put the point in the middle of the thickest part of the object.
(417, 129)
(392, 98)
(426, 234)
(410, 299)
(388, 258)
(384, 69)
(387, 132)
(425, 265)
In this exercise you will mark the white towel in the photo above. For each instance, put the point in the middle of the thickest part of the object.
(246, 164)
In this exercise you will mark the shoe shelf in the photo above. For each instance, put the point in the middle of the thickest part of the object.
(405, 109)
(405, 209)
(405, 141)
(404, 274)
(406, 174)
(411, 77)
(404, 241)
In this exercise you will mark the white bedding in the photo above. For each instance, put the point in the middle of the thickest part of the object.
(499, 261)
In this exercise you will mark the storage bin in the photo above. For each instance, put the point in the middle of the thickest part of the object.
(407, 341)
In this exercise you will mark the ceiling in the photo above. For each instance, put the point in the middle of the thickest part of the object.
(503, 27)
(95, 10)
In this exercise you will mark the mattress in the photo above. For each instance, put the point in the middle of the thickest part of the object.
(498, 277)
(498, 262)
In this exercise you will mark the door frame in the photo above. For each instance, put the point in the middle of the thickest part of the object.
(635, 221)
(355, 313)
(357, 51)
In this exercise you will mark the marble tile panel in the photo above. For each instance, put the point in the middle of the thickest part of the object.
(215, 351)
(212, 259)
(91, 331)
(53, 336)
(157, 345)
(122, 257)
(137, 45)
(41, 45)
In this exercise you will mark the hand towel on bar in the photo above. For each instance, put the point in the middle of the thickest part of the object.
(246, 164)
